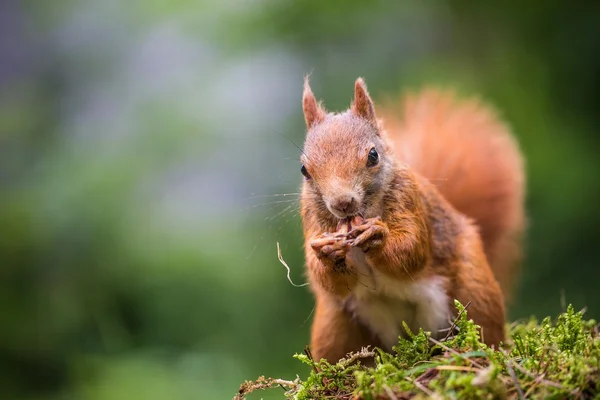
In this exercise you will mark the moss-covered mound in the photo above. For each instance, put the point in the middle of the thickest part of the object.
(542, 360)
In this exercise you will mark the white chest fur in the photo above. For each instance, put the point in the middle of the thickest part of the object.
(383, 303)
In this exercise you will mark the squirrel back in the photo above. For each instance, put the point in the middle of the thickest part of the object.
(468, 153)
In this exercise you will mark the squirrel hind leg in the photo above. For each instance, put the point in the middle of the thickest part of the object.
(335, 333)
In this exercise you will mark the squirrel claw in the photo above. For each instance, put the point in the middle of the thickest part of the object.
(369, 235)
(367, 224)
(330, 247)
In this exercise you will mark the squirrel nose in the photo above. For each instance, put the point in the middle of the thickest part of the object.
(344, 204)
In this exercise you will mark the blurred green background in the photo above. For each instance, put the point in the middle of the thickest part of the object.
(145, 145)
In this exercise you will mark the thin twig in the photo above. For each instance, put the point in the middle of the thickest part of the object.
(512, 374)
(363, 353)
(540, 363)
(263, 383)
(424, 388)
(542, 381)
(539, 378)
(454, 322)
(536, 383)
(310, 357)
(280, 257)
(456, 353)
(456, 368)
(389, 392)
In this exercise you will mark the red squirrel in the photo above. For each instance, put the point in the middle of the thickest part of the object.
(404, 211)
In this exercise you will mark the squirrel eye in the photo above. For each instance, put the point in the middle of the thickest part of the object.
(373, 158)
(304, 172)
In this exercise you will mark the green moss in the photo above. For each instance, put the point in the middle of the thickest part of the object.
(544, 359)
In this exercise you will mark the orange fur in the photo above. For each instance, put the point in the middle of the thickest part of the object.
(416, 249)
(470, 156)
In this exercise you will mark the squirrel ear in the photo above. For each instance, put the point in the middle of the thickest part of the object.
(362, 106)
(313, 111)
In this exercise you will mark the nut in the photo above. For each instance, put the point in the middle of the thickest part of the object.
(344, 226)
(356, 221)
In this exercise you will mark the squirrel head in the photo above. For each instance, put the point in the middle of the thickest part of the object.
(345, 160)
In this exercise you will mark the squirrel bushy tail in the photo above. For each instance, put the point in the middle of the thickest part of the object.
(468, 153)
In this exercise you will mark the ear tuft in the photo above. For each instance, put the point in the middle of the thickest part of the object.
(314, 113)
(362, 106)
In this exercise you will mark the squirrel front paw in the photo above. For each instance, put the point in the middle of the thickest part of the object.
(369, 235)
(331, 249)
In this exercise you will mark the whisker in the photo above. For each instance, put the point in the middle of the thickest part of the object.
(252, 252)
(270, 203)
(279, 201)
(298, 147)
(291, 141)
(360, 273)
(262, 196)
(273, 204)
(309, 315)
(367, 286)
(280, 213)
(410, 276)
